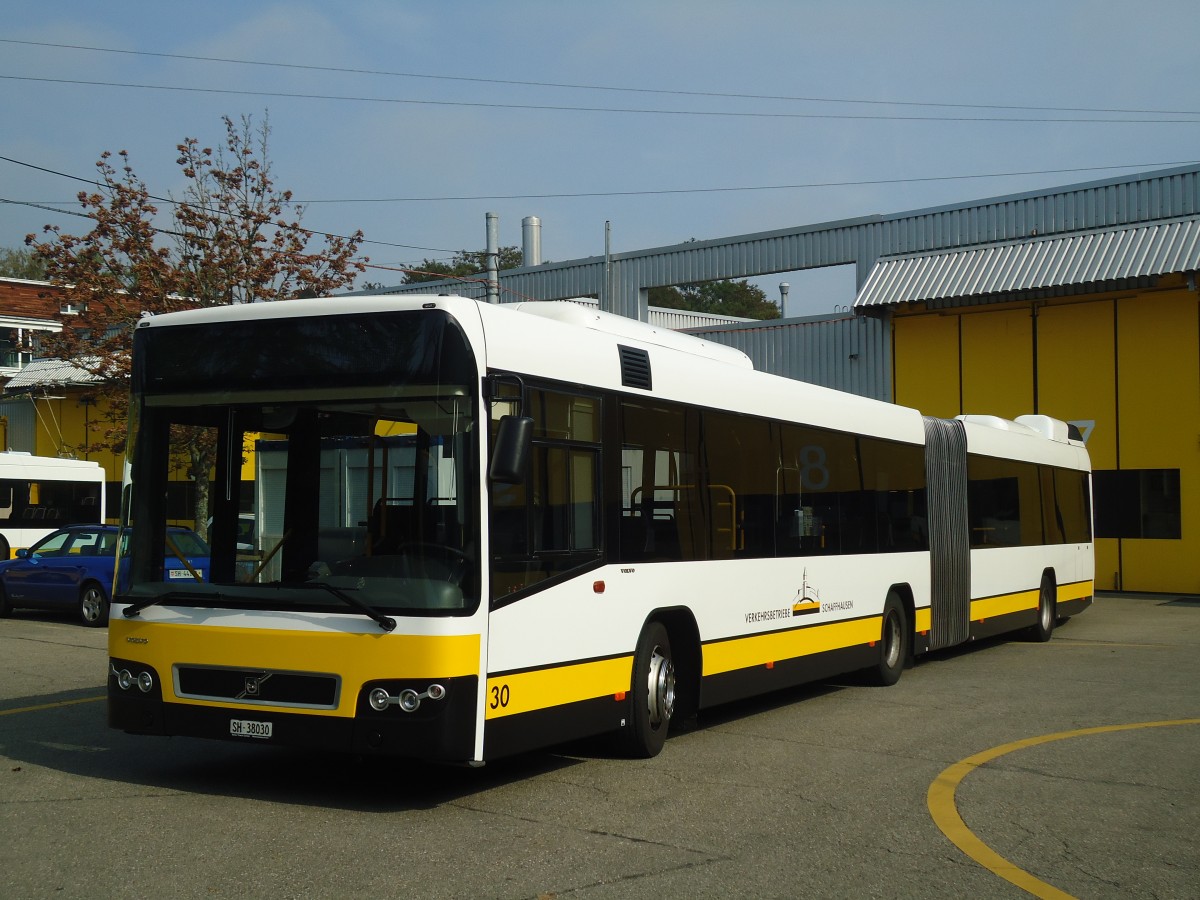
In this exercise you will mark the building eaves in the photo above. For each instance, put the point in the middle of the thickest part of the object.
(1103, 258)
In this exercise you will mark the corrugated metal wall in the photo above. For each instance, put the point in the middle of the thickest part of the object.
(1143, 197)
(21, 425)
(847, 353)
(825, 353)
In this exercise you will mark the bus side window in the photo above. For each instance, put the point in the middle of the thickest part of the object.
(550, 523)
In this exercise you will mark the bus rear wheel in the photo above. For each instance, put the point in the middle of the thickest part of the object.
(894, 638)
(1047, 613)
(93, 605)
(652, 693)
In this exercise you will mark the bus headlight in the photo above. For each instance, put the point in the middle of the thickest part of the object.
(145, 682)
(124, 679)
(408, 699)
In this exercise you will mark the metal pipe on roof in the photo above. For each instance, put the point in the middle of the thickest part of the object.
(531, 241)
(493, 257)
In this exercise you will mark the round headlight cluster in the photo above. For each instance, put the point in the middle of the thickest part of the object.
(408, 699)
(126, 680)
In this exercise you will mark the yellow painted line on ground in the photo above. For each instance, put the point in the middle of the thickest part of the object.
(25, 709)
(1073, 642)
(944, 810)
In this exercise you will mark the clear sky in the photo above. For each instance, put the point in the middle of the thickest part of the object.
(672, 120)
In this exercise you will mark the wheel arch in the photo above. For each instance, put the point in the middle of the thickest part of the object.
(684, 635)
(92, 581)
(1049, 574)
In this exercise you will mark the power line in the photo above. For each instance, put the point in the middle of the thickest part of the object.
(763, 187)
(53, 209)
(659, 191)
(296, 95)
(94, 183)
(174, 203)
(594, 87)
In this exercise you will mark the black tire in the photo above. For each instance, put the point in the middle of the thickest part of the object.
(93, 605)
(6, 608)
(895, 639)
(1047, 614)
(651, 693)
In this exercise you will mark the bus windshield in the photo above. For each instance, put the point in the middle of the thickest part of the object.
(329, 461)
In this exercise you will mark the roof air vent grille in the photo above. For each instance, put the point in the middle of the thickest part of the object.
(635, 367)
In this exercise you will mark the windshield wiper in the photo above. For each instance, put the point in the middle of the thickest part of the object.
(133, 609)
(387, 623)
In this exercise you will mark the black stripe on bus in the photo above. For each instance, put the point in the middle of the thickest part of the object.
(520, 732)
(739, 684)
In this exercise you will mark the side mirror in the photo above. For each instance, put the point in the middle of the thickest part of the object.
(510, 455)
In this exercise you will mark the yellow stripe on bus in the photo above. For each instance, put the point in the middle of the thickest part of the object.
(990, 607)
(542, 688)
(1025, 600)
(1076, 591)
(356, 658)
(760, 649)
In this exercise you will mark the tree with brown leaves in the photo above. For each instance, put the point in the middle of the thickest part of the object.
(232, 238)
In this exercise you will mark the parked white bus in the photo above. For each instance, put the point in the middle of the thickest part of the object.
(550, 523)
(39, 494)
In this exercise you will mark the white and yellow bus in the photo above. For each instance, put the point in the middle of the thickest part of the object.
(39, 494)
(500, 527)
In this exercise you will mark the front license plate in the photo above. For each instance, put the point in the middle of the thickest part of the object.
(249, 728)
(179, 573)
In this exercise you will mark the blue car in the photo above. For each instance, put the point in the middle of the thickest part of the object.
(72, 568)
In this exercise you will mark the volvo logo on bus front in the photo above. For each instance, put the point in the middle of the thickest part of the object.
(253, 684)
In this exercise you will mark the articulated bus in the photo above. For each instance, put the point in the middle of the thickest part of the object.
(39, 494)
(494, 528)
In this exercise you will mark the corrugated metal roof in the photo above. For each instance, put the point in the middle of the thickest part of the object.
(47, 373)
(1112, 256)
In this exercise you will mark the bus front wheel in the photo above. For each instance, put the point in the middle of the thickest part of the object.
(652, 693)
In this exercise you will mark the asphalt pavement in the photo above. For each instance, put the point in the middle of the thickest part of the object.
(1071, 767)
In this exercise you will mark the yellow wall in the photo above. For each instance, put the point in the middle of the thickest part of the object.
(997, 354)
(1158, 388)
(66, 424)
(925, 356)
(1077, 381)
(1125, 365)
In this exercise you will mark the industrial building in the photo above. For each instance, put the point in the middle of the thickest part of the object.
(1079, 302)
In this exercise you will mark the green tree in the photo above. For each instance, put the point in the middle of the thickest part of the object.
(232, 238)
(723, 298)
(21, 263)
(464, 264)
